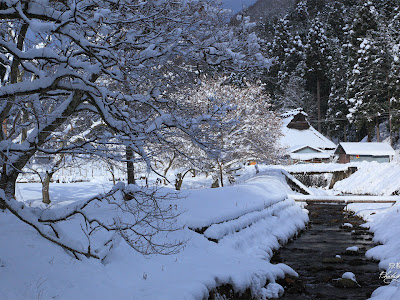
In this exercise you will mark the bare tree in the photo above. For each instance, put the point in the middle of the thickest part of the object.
(247, 129)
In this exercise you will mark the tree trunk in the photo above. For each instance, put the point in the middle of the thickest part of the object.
(7, 184)
(24, 131)
(178, 181)
(319, 105)
(130, 168)
(378, 134)
(46, 188)
(369, 139)
(169, 165)
(111, 169)
(221, 174)
(215, 184)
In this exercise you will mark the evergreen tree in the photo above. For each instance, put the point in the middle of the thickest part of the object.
(394, 74)
(351, 47)
(285, 78)
(368, 80)
(339, 20)
(278, 49)
(317, 55)
(369, 85)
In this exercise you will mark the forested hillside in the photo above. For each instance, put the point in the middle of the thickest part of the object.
(344, 53)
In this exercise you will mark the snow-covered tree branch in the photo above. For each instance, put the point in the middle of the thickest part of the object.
(108, 62)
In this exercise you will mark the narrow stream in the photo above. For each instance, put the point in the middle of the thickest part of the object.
(314, 255)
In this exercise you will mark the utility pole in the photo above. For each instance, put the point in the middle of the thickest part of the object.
(319, 105)
(378, 134)
(390, 121)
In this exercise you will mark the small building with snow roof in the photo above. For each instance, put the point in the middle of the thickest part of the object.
(364, 151)
(302, 141)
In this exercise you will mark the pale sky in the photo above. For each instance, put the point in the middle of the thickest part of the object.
(237, 5)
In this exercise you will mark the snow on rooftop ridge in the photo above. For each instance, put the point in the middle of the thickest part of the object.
(367, 148)
(299, 147)
(293, 112)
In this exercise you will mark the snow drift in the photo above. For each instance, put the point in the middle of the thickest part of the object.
(372, 178)
(238, 227)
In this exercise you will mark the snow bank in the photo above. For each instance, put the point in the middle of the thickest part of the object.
(248, 220)
(372, 178)
(384, 222)
(386, 228)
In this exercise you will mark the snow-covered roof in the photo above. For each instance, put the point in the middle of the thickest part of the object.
(298, 148)
(292, 138)
(310, 156)
(293, 112)
(361, 148)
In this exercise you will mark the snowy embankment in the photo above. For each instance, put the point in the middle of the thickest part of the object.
(381, 179)
(237, 227)
(384, 222)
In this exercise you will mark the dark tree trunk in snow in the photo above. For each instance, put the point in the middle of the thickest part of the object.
(130, 168)
(179, 179)
(24, 132)
(215, 184)
(46, 188)
(221, 174)
(7, 183)
(369, 139)
(171, 161)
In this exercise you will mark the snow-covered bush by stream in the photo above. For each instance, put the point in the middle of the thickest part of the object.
(249, 221)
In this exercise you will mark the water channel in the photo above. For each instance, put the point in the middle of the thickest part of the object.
(320, 258)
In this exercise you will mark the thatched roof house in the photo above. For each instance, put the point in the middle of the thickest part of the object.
(303, 142)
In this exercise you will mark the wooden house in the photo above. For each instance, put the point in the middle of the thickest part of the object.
(362, 151)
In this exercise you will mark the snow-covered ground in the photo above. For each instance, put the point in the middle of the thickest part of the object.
(372, 178)
(249, 220)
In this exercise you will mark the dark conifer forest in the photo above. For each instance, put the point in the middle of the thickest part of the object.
(339, 61)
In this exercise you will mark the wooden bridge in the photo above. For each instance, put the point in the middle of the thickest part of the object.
(337, 173)
(347, 199)
(308, 195)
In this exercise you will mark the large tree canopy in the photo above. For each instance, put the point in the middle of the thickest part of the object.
(114, 62)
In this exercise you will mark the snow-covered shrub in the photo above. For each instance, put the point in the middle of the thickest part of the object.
(141, 216)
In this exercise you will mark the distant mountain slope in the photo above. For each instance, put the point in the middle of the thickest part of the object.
(237, 5)
(268, 8)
